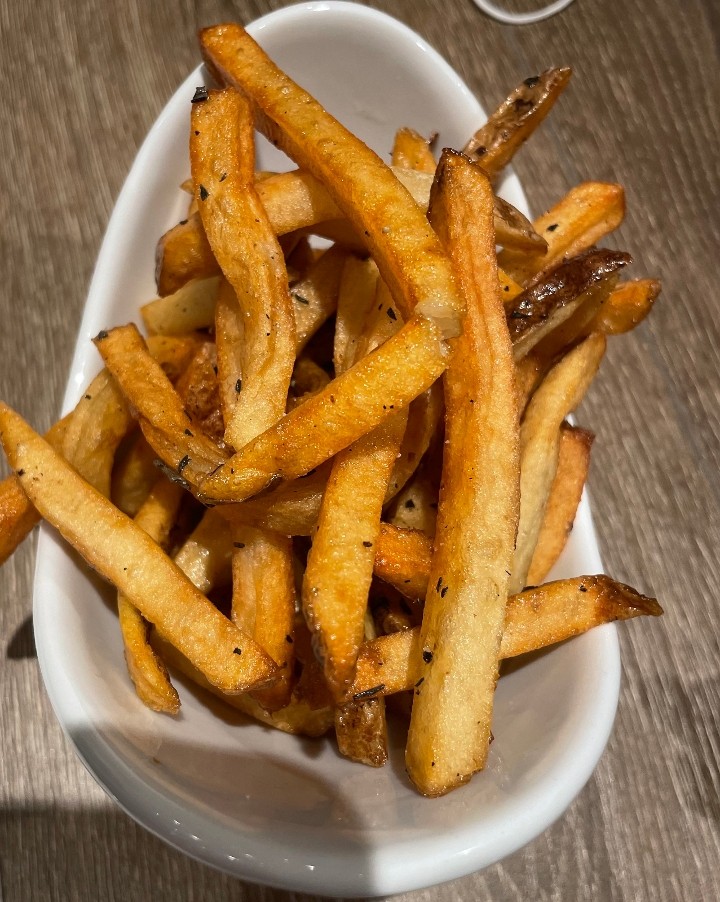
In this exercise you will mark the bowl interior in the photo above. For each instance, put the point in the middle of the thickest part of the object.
(265, 806)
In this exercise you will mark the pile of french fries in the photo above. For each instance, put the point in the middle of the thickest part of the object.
(328, 477)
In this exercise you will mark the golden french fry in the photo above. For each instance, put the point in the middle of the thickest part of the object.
(534, 619)
(199, 391)
(559, 394)
(565, 493)
(405, 248)
(402, 559)
(134, 474)
(340, 563)
(351, 405)
(412, 151)
(308, 379)
(263, 603)
(512, 123)
(299, 717)
(315, 296)
(126, 556)
(189, 308)
(582, 217)
(424, 415)
(627, 307)
(206, 555)
(415, 505)
(146, 669)
(356, 297)
(464, 612)
(222, 154)
(186, 451)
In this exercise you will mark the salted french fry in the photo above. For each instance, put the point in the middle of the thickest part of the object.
(186, 451)
(565, 493)
(222, 154)
(360, 724)
(134, 474)
(299, 717)
(586, 214)
(402, 559)
(206, 555)
(315, 296)
(464, 614)
(559, 394)
(542, 310)
(147, 671)
(189, 308)
(350, 406)
(512, 123)
(340, 563)
(126, 556)
(534, 619)
(627, 307)
(263, 603)
(405, 248)
(412, 151)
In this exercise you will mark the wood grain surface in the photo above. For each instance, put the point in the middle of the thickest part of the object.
(82, 82)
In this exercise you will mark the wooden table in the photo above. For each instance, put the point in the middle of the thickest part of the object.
(82, 82)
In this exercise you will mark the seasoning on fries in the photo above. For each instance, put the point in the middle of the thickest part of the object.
(327, 477)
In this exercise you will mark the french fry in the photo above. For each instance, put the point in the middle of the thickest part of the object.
(627, 307)
(424, 415)
(559, 394)
(222, 154)
(351, 405)
(405, 248)
(534, 619)
(186, 451)
(412, 151)
(358, 285)
(134, 474)
(464, 614)
(189, 308)
(146, 669)
(565, 493)
(315, 296)
(543, 308)
(415, 506)
(586, 214)
(198, 389)
(263, 603)
(512, 123)
(340, 563)
(126, 556)
(402, 559)
(206, 555)
(299, 717)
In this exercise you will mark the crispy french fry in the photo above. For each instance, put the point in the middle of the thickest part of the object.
(189, 308)
(340, 563)
(402, 559)
(146, 669)
(582, 217)
(206, 555)
(134, 474)
(263, 603)
(512, 123)
(222, 154)
(543, 308)
(415, 506)
(299, 717)
(559, 394)
(464, 612)
(565, 493)
(126, 556)
(315, 296)
(627, 307)
(199, 392)
(186, 451)
(351, 405)
(412, 151)
(406, 250)
(536, 618)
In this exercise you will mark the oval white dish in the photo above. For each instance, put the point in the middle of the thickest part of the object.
(264, 806)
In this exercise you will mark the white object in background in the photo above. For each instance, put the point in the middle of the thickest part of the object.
(508, 18)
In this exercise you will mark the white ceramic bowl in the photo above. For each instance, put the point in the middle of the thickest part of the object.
(264, 806)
